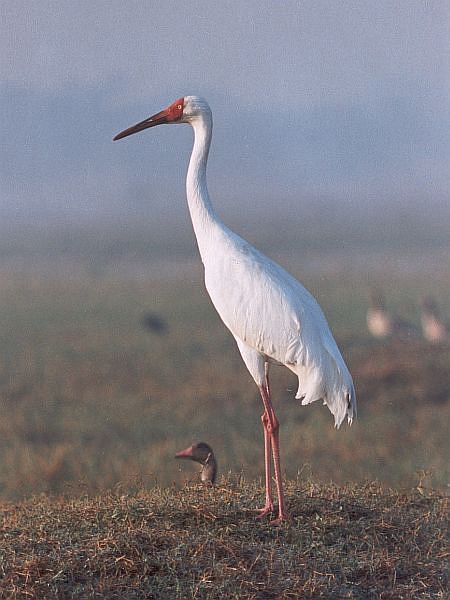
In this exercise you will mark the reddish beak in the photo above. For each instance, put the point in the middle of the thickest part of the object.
(184, 453)
(157, 119)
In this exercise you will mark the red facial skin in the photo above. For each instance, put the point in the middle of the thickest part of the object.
(175, 111)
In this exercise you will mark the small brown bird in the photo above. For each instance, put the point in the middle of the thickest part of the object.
(203, 454)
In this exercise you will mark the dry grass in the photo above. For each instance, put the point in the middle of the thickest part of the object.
(357, 541)
(90, 398)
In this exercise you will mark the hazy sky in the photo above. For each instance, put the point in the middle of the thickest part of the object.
(345, 101)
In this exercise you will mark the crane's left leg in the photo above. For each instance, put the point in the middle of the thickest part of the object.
(268, 506)
(272, 426)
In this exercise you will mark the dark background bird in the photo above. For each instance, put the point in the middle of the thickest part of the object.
(155, 323)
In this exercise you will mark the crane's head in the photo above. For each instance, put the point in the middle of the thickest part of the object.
(183, 110)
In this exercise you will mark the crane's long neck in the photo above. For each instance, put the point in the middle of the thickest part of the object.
(204, 219)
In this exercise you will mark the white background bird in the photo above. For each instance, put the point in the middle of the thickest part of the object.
(272, 317)
(383, 324)
(434, 328)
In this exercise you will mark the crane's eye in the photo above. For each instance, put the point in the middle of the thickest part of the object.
(179, 107)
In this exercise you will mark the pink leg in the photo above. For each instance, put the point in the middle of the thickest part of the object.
(271, 441)
(268, 507)
(282, 515)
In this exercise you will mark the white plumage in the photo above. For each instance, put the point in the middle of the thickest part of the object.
(270, 314)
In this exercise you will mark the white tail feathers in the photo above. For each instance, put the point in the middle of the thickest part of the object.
(341, 404)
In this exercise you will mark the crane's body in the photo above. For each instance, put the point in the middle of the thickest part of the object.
(272, 317)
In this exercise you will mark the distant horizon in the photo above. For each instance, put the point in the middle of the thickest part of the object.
(343, 102)
(320, 227)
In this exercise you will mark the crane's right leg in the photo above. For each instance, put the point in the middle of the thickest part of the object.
(272, 430)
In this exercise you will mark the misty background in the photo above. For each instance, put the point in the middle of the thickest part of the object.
(331, 122)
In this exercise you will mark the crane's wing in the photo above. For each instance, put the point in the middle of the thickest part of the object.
(271, 312)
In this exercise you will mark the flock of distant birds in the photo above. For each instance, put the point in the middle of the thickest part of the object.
(383, 324)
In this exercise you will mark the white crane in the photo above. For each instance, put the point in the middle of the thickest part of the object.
(272, 317)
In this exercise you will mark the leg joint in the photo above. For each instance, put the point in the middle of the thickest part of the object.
(273, 425)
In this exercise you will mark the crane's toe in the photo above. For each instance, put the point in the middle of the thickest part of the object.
(262, 512)
(284, 518)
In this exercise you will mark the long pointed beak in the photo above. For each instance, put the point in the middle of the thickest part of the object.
(184, 453)
(157, 119)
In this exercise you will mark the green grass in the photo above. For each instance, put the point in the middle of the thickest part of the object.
(359, 541)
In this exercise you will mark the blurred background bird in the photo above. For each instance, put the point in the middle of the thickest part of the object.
(434, 328)
(383, 324)
(155, 323)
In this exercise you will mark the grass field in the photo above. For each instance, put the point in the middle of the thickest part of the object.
(91, 399)
(94, 406)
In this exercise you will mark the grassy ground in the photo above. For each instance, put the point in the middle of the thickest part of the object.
(90, 398)
(94, 407)
(356, 541)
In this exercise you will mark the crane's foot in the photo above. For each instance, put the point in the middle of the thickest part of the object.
(267, 509)
(283, 518)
